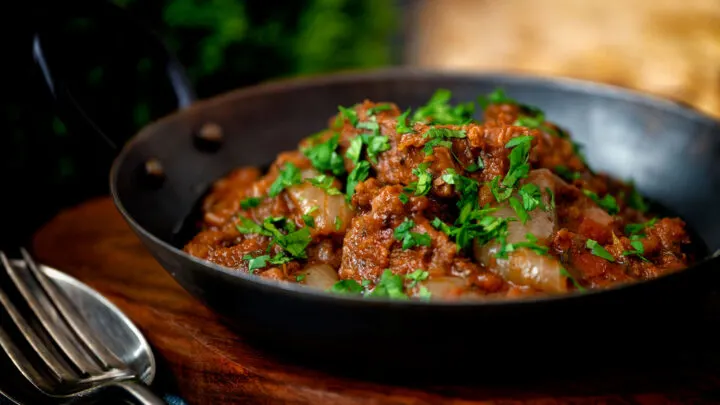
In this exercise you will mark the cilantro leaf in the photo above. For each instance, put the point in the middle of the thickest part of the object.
(598, 250)
(439, 111)
(411, 239)
(360, 172)
(531, 196)
(476, 166)
(255, 263)
(379, 107)
(608, 202)
(404, 198)
(325, 182)
(299, 278)
(296, 242)
(348, 286)
(338, 223)
(348, 114)
(417, 276)
(572, 279)
(497, 96)
(289, 176)
(566, 173)
(519, 166)
(424, 182)
(440, 133)
(402, 125)
(324, 156)
(390, 285)
(424, 293)
(355, 149)
(250, 202)
(376, 144)
(431, 144)
(632, 229)
(516, 205)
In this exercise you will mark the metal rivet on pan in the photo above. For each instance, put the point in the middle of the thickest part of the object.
(209, 138)
(153, 173)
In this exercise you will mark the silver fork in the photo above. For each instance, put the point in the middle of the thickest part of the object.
(70, 360)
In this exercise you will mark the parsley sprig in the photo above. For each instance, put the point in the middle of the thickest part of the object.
(438, 110)
(598, 250)
(294, 241)
(411, 239)
(325, 157)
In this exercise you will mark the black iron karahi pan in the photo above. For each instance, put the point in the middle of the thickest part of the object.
(669, 150)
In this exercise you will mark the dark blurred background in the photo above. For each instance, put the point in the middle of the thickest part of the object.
(223, 44)
(669, 48)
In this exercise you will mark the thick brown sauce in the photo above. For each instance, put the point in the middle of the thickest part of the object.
(360, 244)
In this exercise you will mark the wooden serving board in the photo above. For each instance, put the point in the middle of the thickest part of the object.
(205, 363)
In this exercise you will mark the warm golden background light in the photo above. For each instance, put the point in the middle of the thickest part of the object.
(667, 47)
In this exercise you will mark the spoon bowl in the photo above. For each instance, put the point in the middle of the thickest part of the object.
(112, 327)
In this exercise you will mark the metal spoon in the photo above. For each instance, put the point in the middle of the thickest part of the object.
(113, 328)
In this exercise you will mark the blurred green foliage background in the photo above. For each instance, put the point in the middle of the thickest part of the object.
(223, 44)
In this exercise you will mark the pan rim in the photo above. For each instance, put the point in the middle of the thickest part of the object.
(289, 84)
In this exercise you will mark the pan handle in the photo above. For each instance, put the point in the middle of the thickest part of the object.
(68, 109)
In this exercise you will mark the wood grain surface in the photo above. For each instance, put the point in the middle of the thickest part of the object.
(207, 364)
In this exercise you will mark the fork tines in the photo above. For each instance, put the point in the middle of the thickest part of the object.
(64, 345)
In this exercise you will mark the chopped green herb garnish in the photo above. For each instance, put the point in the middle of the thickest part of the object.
(598, 250)
(632, 229)
(476, 166)
(531, 196)
(378, 108)
(360, 172)
(324, 156)
(552, 197)
(465, 186)
(431, 144)
(516, 205)
(444, 133)
(325, 182)
(338, 223)
(390, 285)
(638, 248)
(309, 220)
(519, 166)
(566, 173)
(294, 242)
(531, 243)
(424, 293)
(403, 198)
(349, 114)
(376, 144)
(402, 126)
(608, 202)
(299, 278)
(438, 110)
(348, 286)
(355, 149)
(567, 274)
(250, 202)
(249, 226)
(255, 263)
(424, 182)
(499, 192)
(411, 239)
(289, 176)
(417, 276)
(498, 96)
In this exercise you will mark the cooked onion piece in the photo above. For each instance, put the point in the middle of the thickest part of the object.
(321, 276)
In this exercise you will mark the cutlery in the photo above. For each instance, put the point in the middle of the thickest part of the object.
(68, 340)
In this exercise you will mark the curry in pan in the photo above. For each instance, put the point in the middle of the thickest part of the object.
(431, 203)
